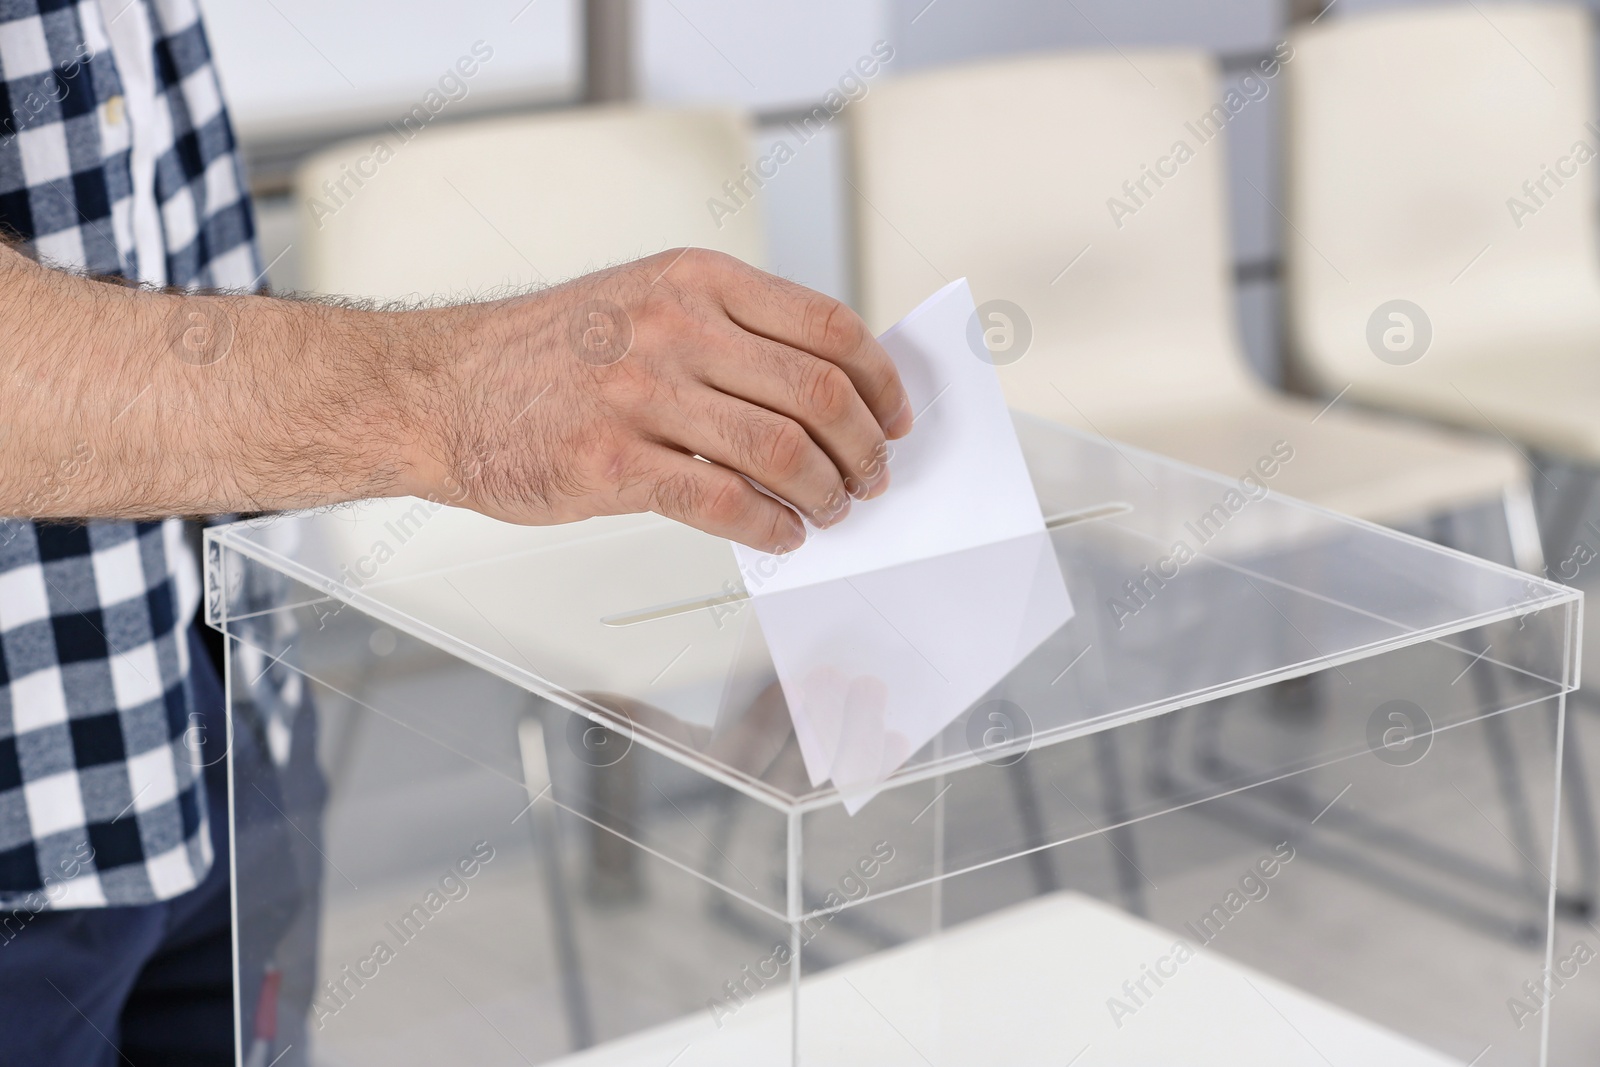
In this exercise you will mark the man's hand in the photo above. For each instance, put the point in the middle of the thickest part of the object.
(595, 397)
(591, 398)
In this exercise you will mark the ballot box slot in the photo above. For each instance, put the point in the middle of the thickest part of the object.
(1057, 521)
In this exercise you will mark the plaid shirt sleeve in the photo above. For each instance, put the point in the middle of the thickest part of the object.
(101, 798)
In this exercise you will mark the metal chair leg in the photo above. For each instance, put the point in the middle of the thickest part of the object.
(542, 824)
(1522, 526)
(1130, 879)
(1020, 775)
(1560, 528)
(1579, 807)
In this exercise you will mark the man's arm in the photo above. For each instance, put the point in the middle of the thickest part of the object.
(590, 398)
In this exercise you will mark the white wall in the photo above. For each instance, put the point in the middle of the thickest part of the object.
(295, 67)
(761, 55)
(768, 57)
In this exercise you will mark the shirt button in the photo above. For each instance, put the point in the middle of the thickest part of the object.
(114, 110)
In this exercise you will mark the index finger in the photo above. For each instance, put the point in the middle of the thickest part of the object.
(813, 322)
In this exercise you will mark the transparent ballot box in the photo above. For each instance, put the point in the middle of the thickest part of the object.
(1286, 788)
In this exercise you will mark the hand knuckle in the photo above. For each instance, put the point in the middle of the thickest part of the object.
(662, 309)
(725, 502)
(831, 327)
(619, 461)
(783, 449)
(675, 255)
(826, 390)
(701, 260)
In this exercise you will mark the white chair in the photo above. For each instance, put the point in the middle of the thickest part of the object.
(1055, 183)
(1430, 159)
(487, 207)
(1006, 172)
(477, 207)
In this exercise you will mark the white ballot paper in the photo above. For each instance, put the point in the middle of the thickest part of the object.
(887, 626)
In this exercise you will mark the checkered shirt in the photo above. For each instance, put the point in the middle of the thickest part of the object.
(101, 797)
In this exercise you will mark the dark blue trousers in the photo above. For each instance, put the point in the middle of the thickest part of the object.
(149, 986)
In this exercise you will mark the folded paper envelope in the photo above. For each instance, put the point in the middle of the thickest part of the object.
(885, 627)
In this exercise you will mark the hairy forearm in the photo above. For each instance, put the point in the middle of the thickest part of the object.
(120, 402)
(659, 385)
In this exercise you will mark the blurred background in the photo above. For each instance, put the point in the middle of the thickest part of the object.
(1481, 447)
(301, 75)
(1373, 258)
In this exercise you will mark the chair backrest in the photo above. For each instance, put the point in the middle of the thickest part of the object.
(1085, 188)
(1433, 155)
(476, 207)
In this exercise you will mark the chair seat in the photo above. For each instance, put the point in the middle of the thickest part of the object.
(1370, 466)
(1548, 397)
